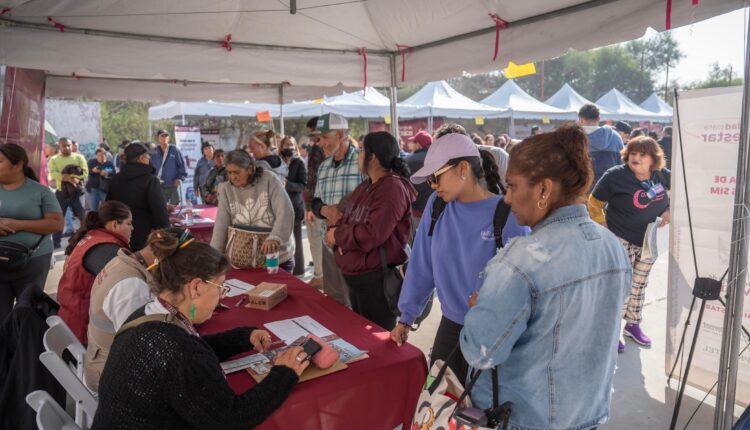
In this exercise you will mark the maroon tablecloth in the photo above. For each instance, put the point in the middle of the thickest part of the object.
(201, 231)
(379, 392)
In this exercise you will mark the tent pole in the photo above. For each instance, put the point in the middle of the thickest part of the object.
(730, 343)
(281, 109)
(512, 126)
(394, 99)
(183, 119)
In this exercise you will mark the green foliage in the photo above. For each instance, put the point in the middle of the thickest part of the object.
(124, 120)
(718, 77)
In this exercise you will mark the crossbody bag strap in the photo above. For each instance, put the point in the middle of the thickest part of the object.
(163, 161)
(441, 374)
(166, 318)
(37, 245)
(502, 212)
(383, 261)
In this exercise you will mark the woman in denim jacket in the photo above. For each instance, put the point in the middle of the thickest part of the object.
(548, 313)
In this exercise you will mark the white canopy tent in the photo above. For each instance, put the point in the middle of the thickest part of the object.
(441, 100)
(523, 106)
(618, 107)
(220, 110)
(655, 104)
(568, 99)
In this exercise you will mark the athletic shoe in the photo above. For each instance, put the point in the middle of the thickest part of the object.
(634, 332)
(620, 347)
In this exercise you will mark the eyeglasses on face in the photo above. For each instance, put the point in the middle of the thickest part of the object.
(223, 289)
(434, 178)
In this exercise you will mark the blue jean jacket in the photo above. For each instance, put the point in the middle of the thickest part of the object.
(548, 315)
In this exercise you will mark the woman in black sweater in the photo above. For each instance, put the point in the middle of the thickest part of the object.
(295, 185)
(161, 374)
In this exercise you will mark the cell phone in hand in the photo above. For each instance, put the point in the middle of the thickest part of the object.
(311, 348)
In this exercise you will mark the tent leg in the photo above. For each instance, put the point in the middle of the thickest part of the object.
(512, 126)
(183, 119)
(730, 342)
(150, 129)
(281, 109)
(394, 99)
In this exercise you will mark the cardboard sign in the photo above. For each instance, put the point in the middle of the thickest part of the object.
(264, 116)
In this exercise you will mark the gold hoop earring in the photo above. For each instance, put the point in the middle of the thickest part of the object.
(542, 206)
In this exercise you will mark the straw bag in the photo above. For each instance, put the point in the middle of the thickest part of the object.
(243, 246)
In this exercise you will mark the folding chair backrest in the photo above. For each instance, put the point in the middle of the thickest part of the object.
(49, 415)
(59, 337)
(85, 401)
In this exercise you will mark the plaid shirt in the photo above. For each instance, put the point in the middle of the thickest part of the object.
(335, 183)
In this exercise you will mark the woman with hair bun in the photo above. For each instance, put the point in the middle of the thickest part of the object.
(102, 235)
(377, 214)
(161, 373)
(261, 146)
(29, 214)
(119, 289)
(548, 314)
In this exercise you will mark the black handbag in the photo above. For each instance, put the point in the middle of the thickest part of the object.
(14, 256)
(393, 279)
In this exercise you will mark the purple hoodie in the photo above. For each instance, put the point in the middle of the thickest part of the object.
(375, 215)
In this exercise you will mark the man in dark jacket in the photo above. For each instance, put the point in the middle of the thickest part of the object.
(138, 187)
(420, 143)
(666, 145)
(604, 143)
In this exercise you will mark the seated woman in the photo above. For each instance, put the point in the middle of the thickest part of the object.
(119, 289)
(162, 374)
(377, 214)
(261, 146)
(102, 235)
(216, 176)
(548, 313)
(255, 197)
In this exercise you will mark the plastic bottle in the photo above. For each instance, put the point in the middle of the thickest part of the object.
(189, 212)
(272, 262)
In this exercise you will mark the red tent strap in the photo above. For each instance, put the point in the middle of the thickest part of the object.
(499, 23)
(404, 49)
(76, 77)
(4, 10)
(669, 15)
(57, 25)
(695, 2)
(227, 42)
(363, 53)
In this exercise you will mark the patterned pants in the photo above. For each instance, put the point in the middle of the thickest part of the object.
(633, 306)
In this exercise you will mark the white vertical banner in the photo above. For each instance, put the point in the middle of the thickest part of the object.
(709, 131)
(188, 141)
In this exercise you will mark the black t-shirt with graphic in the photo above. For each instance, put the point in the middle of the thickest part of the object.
(632, 204)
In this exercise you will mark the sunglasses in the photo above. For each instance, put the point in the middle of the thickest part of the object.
(434, 178)
(223, 289)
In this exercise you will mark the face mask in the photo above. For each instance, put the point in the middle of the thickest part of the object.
(287, 152)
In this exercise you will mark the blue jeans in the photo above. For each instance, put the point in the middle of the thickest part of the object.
(69, 227)
(94, 198)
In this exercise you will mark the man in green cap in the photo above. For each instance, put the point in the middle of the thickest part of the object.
(338, 176)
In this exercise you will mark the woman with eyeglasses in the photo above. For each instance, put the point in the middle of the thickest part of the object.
(634, 194)
(119, 289)
(161, 373)
(452, 258)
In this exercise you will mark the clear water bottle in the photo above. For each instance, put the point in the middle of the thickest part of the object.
(189, 212)
(272, 262)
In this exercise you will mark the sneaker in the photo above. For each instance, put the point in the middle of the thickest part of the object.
(620, 347)
(634, 332)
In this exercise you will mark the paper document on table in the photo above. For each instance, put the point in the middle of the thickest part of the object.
(237, 287)
(650, 251)
(291, 329)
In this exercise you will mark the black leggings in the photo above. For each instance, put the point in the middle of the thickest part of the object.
(368, 299)
(299, 252)
(447, 337)
(12, 284)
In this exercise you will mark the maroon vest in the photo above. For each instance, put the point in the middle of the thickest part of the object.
(74, 290)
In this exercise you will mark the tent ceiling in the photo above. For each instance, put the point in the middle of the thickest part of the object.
(318, 46)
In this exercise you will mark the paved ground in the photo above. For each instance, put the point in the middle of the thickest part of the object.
(641, 399)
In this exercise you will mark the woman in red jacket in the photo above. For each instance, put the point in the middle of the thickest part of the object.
(377, 214)
(102, 234)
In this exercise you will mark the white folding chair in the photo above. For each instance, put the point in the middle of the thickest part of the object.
(49, 415)
(60, 337)
(57, 339)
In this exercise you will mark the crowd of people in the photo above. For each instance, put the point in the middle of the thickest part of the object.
(497, 229)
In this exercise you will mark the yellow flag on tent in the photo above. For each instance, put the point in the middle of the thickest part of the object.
(387, 119)
(516, 71)
(479, 120)
(318, 101)
(545, 119)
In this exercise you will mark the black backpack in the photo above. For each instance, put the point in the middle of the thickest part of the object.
(502, 212)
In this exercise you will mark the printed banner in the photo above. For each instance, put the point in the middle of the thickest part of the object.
(709, 131)
(188, 141)
(407, 128)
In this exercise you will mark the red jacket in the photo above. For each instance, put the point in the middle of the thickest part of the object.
(74, 290)
(375, 215)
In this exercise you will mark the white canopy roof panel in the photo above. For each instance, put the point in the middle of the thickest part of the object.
(656, 105)
(440, 99)
(619, 107)
(219, 110)
(318, 46)
(566, 98)
(511, 96)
